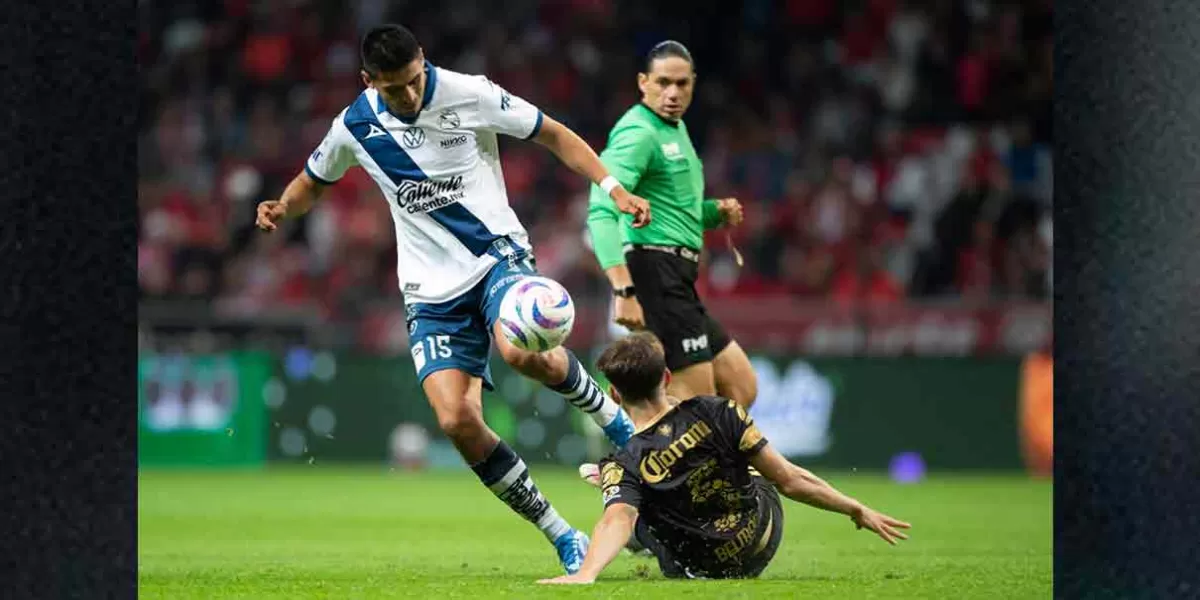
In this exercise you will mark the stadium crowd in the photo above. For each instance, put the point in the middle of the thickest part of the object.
(883, 149)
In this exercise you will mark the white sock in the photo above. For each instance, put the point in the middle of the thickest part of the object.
(583, 393)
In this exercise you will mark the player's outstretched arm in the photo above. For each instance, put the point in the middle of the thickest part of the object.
(298, 198)
(611, 534)
(579, 157)
(802, 485)
(627, 156)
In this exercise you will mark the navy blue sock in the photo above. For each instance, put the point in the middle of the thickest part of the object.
(505, 474)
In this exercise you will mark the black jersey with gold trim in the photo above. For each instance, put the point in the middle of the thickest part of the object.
(688, 473)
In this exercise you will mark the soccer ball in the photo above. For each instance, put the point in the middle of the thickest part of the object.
(537, 314)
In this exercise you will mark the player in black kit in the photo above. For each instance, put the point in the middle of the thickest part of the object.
(696, 485)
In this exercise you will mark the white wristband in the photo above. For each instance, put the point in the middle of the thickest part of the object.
(608, 183)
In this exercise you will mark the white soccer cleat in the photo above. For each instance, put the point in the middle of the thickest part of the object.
(590, 473)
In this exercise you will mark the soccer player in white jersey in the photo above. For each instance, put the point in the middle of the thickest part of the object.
(427, 136)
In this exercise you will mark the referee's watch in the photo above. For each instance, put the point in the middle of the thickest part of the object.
(624, 292)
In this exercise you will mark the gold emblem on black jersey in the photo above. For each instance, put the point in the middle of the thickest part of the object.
(611, 474)
(727, 522)
(664, 430)
(750, 437)
(730, 550)
(741, 412)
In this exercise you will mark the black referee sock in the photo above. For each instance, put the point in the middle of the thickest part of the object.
(506, 475)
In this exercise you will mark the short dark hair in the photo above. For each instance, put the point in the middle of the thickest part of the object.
(388, 48)
(634, 365)
(667, 49)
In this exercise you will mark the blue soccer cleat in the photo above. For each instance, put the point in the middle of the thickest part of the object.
(572, 546)
(619, 430)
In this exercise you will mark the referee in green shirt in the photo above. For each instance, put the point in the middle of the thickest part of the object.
(653, 269)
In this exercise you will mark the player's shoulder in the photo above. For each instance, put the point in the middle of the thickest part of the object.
(631, 126)
(457, 85)
(713, 408)
(634, 115)
(705, 403)
(360, 110)
(634, 119)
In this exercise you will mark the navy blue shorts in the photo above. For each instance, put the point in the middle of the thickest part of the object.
(457, 334)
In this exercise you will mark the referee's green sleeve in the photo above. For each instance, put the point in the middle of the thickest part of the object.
(626, 157)
(711, 214)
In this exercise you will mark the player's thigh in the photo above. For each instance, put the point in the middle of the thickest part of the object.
(666, 559)
(734, 375)
(500, 280)
(503, 276)
(693, 380)
(761, 555)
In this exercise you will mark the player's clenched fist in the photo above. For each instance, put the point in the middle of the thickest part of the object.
(270, 213)
(632, 205)
(731, 211)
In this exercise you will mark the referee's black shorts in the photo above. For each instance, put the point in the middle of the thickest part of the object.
(665, 279)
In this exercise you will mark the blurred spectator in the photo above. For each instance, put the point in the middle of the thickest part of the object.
(864, 279)
(883, 148)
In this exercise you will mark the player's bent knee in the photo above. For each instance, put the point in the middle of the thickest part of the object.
(542, 366)
(461, 422)
(517, 358)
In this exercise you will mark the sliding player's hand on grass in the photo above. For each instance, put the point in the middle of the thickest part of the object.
(632, 205)
(576, 579)
(884, 526)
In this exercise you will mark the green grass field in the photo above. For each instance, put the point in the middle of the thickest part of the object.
(341, 533)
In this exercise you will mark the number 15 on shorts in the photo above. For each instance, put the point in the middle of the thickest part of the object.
(431, 348)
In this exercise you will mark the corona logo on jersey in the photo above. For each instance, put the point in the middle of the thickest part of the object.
(656, 466)
(429, 195)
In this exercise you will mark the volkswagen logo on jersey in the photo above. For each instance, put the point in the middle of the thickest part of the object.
(413, 137)
(449, 120)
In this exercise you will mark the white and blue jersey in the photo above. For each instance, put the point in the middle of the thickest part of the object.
(459, 245)
(440, 173)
